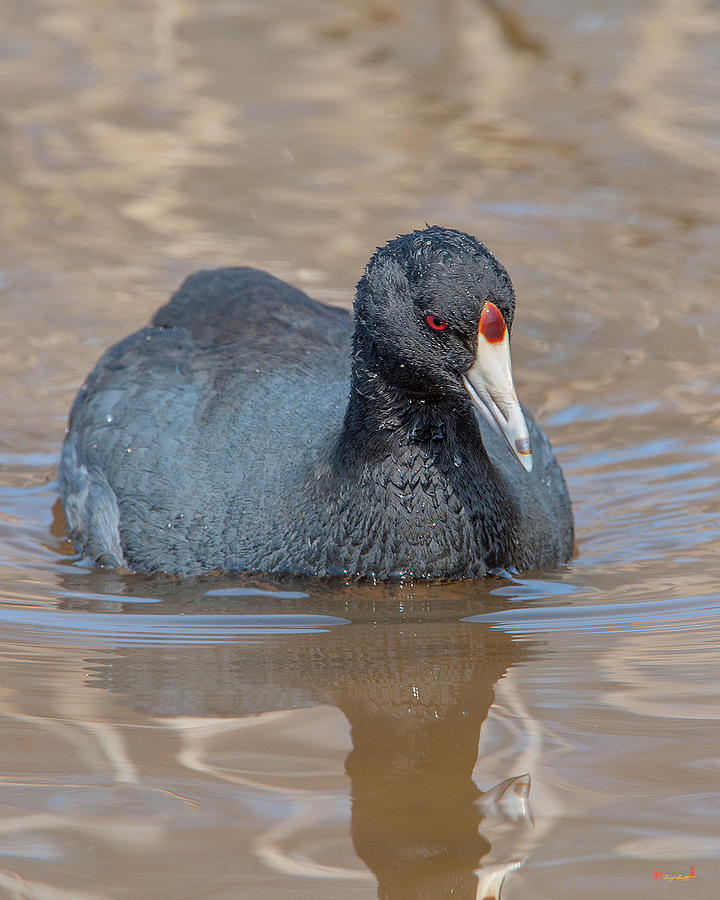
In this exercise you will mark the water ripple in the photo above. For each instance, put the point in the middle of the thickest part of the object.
(646, 616)
(62, 627)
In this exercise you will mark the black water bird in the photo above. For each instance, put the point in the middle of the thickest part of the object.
(252, 428)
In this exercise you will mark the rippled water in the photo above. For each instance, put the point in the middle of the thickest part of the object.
(231, 738)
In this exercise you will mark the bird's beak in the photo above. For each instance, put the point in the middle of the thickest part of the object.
(489, 383)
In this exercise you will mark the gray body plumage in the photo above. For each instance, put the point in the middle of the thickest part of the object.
(214, 440)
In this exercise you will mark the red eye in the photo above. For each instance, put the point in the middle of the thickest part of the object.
(436, 323)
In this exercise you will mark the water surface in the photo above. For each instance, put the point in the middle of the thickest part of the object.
(240, 738)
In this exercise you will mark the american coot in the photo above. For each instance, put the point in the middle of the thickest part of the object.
(251, 428)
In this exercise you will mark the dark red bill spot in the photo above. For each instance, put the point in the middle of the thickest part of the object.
(436, 323)
(522, 445)
(492, 325)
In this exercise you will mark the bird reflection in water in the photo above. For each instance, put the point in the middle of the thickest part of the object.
(414, 683)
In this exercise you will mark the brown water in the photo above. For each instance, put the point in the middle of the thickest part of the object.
(235, 739)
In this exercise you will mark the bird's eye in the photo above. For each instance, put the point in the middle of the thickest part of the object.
(436, 323)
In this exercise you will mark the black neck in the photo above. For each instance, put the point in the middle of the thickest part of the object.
(384, 420)
(413, 489)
